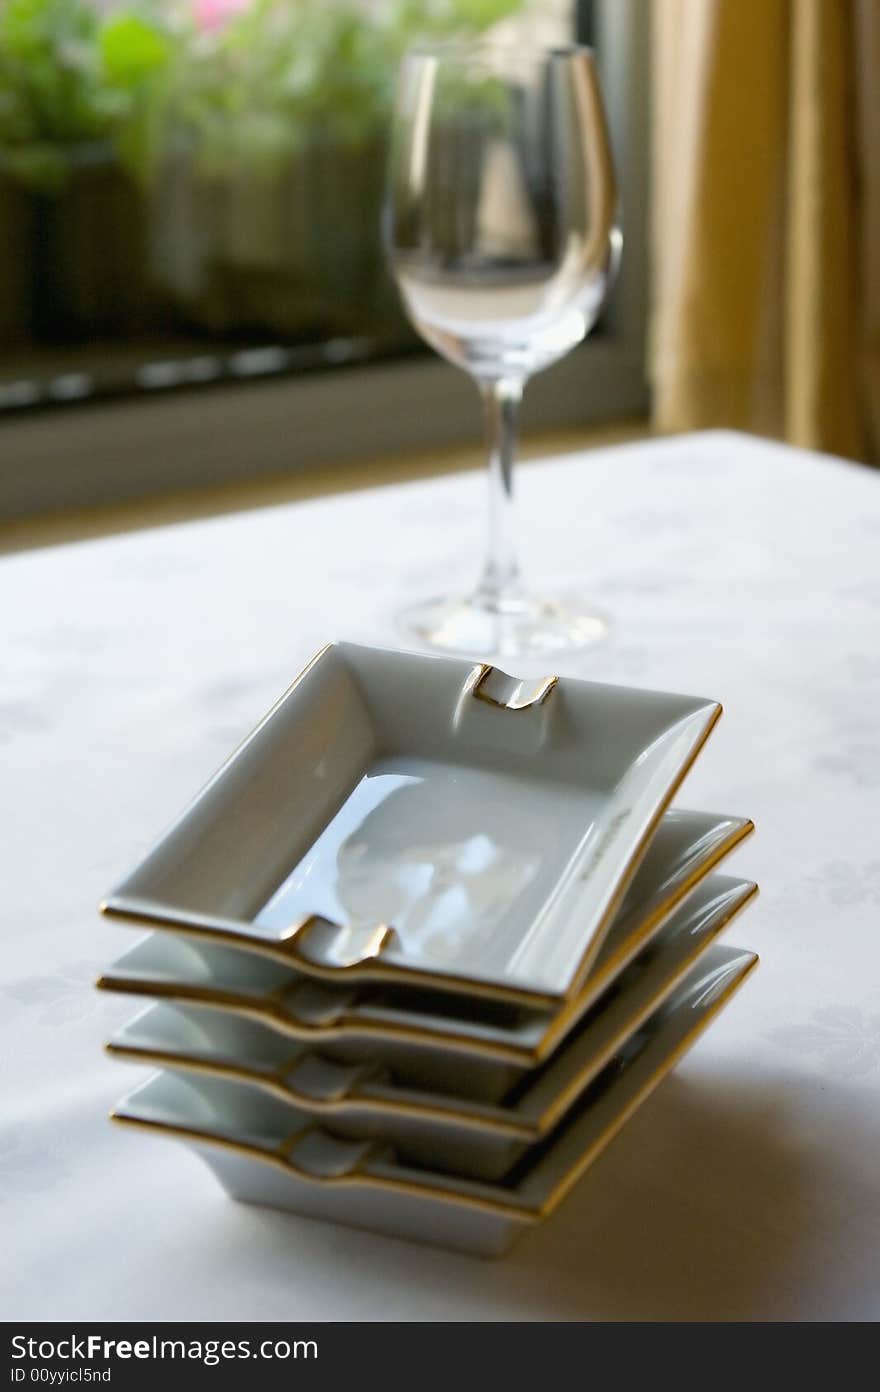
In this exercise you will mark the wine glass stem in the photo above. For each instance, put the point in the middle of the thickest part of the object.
(500, 579)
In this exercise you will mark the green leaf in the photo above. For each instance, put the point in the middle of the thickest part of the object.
(132, 50)
(480, 14)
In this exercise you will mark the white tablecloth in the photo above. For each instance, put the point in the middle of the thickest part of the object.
(748, 1186)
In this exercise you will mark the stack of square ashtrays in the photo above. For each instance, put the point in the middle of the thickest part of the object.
(426, 941)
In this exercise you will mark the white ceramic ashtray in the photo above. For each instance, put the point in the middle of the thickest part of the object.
(474, 1048)
(365, 1101)
(426, 821)
(295, 1165)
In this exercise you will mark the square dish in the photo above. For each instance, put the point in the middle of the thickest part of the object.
(313, 1173)
(291, 1084)
(480, 1054)
(426, 821)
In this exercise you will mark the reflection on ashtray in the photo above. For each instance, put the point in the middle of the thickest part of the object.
(441, 853)
(438, 887)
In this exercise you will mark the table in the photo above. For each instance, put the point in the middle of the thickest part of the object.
(747, 1188)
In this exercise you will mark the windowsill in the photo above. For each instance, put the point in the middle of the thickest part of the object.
(101, 456)
(81, 524)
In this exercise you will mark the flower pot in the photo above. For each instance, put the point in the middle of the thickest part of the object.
(87, 253)
(14, 257)
(293, 252)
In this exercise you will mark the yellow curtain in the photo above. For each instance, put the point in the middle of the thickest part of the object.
(766, 226)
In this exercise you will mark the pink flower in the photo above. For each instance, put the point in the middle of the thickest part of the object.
(213, 14)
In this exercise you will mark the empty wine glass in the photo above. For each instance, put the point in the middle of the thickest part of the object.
(501, 233)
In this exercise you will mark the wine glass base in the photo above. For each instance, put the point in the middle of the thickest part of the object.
(522, 626)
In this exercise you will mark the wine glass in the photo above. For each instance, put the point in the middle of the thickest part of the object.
(500, 229)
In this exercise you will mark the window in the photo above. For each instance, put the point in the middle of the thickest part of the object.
(189, 213)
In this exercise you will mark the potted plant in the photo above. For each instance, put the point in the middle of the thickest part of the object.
(78, 113)
(270, 191)
(222, 156)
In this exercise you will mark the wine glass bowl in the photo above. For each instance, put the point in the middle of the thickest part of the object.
(501, 233)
